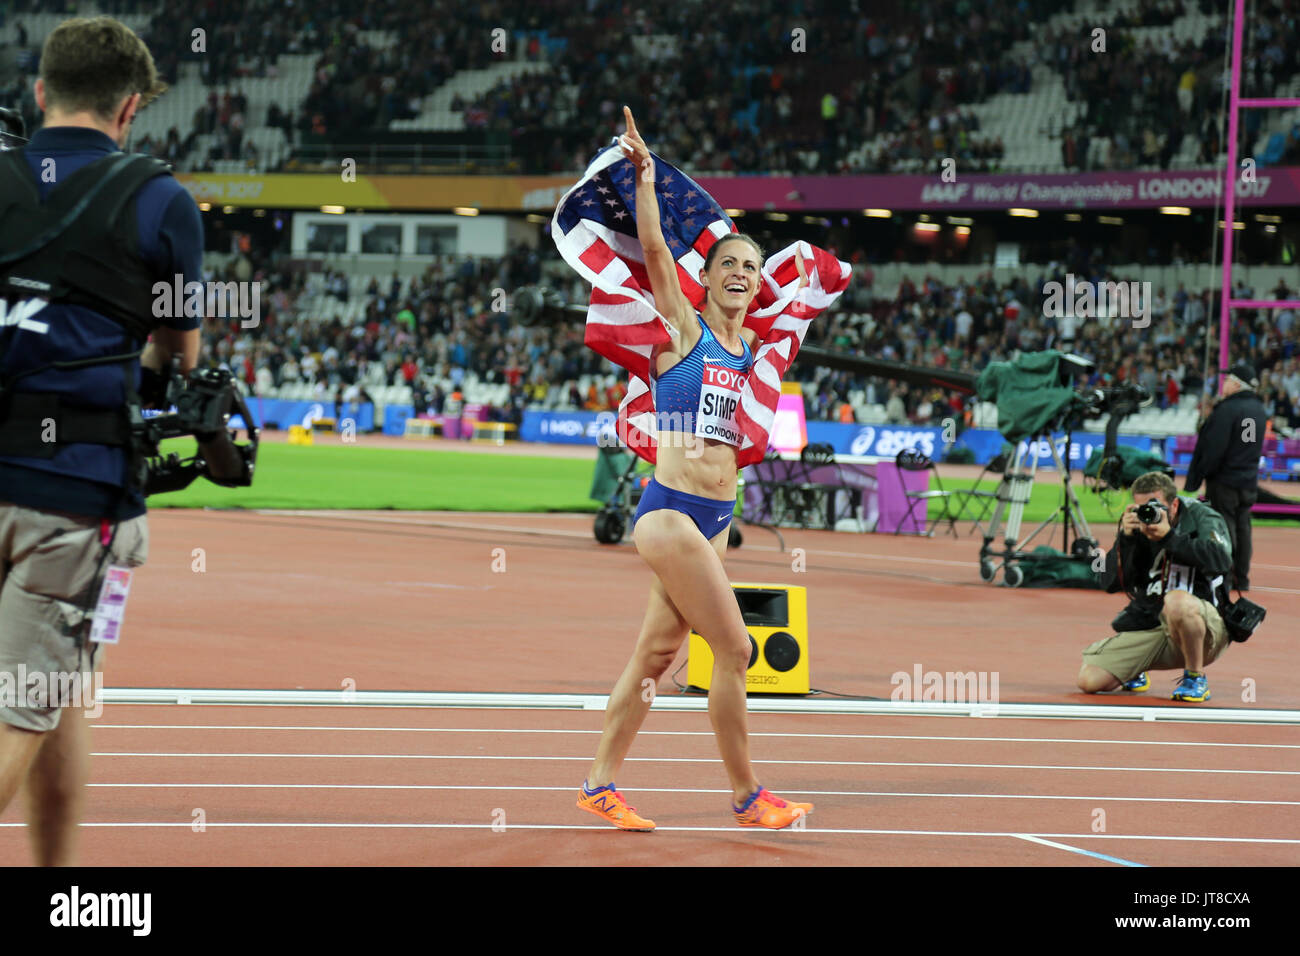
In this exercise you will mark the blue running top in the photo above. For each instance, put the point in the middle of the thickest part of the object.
(700, 394)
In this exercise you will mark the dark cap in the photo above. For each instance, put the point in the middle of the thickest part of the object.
(1246, 372)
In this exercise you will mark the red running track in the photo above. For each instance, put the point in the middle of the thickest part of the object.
(412, 602)
(417, 786)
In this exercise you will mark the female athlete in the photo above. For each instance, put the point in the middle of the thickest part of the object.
(682, 524)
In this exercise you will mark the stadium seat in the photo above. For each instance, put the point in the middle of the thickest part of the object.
(435, 110)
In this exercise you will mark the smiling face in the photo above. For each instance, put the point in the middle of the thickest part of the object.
(732, 272)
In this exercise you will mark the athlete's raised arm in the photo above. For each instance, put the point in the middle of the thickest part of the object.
(659, 262)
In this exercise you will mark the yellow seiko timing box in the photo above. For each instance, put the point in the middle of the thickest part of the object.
(776, 616)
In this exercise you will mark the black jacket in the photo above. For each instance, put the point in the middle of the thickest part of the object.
(1196, 554)
(1221, 455)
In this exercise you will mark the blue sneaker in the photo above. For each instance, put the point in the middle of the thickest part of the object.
(1193, 687)
(1138, 684)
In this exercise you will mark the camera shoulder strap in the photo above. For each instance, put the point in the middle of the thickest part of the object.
(61, 202)
(84, 250)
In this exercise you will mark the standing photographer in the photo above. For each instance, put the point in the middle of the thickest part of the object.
(79, 304)
(1170, 557)
(1227, 455)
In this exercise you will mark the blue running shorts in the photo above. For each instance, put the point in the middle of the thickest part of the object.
(709, 514)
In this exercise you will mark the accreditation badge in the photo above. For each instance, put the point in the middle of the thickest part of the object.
(106, 628)
(1179, 577)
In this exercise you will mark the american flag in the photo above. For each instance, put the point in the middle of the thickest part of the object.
(594, 228)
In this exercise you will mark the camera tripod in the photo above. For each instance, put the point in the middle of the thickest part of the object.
(1012, 495)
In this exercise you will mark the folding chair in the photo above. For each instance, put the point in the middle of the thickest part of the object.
(771, 477)
(953, 504)
(813, 502)
(987, 500)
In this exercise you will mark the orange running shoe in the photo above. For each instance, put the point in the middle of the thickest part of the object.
(608, 804)
(766, 809)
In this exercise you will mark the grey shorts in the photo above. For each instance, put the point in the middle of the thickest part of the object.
(50, 576)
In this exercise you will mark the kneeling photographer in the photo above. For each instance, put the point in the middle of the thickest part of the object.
(1172, 557)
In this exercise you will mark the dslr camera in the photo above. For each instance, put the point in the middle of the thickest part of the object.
(1150, 512)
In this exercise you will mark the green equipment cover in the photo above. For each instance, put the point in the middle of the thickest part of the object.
(611, 464)
(1049, 568)
(1133, 464)
(1028, 393)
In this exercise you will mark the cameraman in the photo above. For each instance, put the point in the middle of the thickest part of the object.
(1170, 557)
(78, 310)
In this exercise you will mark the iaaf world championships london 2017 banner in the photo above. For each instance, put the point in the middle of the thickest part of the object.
(1115, 190)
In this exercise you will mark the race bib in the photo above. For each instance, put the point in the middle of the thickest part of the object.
(719, 399)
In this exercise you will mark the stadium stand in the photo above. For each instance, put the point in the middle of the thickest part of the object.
(909, 84)
(900, 88)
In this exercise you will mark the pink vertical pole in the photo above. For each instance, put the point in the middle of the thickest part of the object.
(1229, 181)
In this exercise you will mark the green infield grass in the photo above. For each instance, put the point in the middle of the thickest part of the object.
(353, 476)
(356, 477)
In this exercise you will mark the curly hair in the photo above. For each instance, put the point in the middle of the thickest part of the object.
(1156, 481)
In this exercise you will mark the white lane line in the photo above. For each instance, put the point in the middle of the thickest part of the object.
(695, 704)
(810, 763)
(1075, 849)
(891, 558)
(691, 733)
(810, 828)
(569, 789)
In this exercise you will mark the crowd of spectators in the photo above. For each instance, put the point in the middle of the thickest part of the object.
(427, 332)
(901, 80)
(951, 135)
(1139, 96)
(779, 92)
(746, 87)
(359, 86)
(755, 95)
(967, 325)
(433, 331)
(356, 87)
(744, 92)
